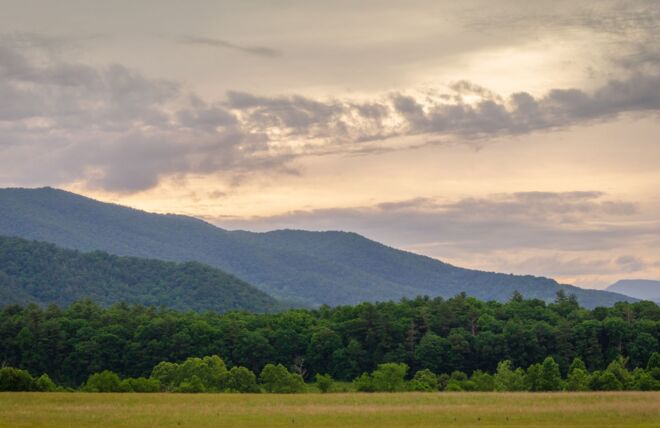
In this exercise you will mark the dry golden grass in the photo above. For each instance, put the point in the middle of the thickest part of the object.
(610, 409)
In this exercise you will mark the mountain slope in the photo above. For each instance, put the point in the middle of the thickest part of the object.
(38, 272)
(305, 267)
(645, 289)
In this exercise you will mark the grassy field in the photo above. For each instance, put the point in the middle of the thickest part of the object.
(634, 409)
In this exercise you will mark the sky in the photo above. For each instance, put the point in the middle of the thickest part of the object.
(509, 136)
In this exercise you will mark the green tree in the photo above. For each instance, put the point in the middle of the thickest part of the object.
(550, 376)
(210, 370)
(322, 346)
(424, 380)
(641, 380)
(577, 364)
(433, 353)
(350, 361)
(653, 368)
(534, 377)
(390, 377)
(578, 380)
(507, 379)
(483, 381)
(653, 362)
(604, 381)
(618, 368)
(276, 378)
(642, 348)
(166, 374)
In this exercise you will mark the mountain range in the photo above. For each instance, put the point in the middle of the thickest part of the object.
(644, 289)
(294, 266)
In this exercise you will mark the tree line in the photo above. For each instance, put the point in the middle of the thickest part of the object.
(459, 334)
(210, 374)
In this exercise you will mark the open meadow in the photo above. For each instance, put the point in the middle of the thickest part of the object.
(601, 409)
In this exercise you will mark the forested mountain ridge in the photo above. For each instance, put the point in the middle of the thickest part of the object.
(38, 272)
(310, 268)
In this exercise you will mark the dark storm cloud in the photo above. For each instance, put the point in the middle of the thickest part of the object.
(219, 43)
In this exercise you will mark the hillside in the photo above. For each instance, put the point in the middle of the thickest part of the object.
(38, 272)
(304, 267)
(644, 289)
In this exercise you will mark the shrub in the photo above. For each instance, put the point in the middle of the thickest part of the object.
(211, 371)
(453, 386)
(324, 382)
(483, 381)
(364, 383)
(12, 379)
(276, 378)
(241, 379)
(105, 381)
(443, 380)
(166, 374)
(458, 376)
(424, 380)
(192, 385)
(45, 384)
(142, 384)
(509, 380)
(390, 377)
(125, 386)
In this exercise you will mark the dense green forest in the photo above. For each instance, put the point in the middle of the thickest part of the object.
(458, 334)
(306, 268)
(37, 272)
(210, 374)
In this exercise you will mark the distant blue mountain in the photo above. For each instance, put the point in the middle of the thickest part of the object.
(643, 289)
(307, 268)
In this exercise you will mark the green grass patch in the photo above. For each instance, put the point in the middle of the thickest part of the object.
(602, 409)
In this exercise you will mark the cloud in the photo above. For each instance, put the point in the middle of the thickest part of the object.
(577, 221)
(341, 122)
(116, 129)
(111, 127)
(219, 43)
(579, 237)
